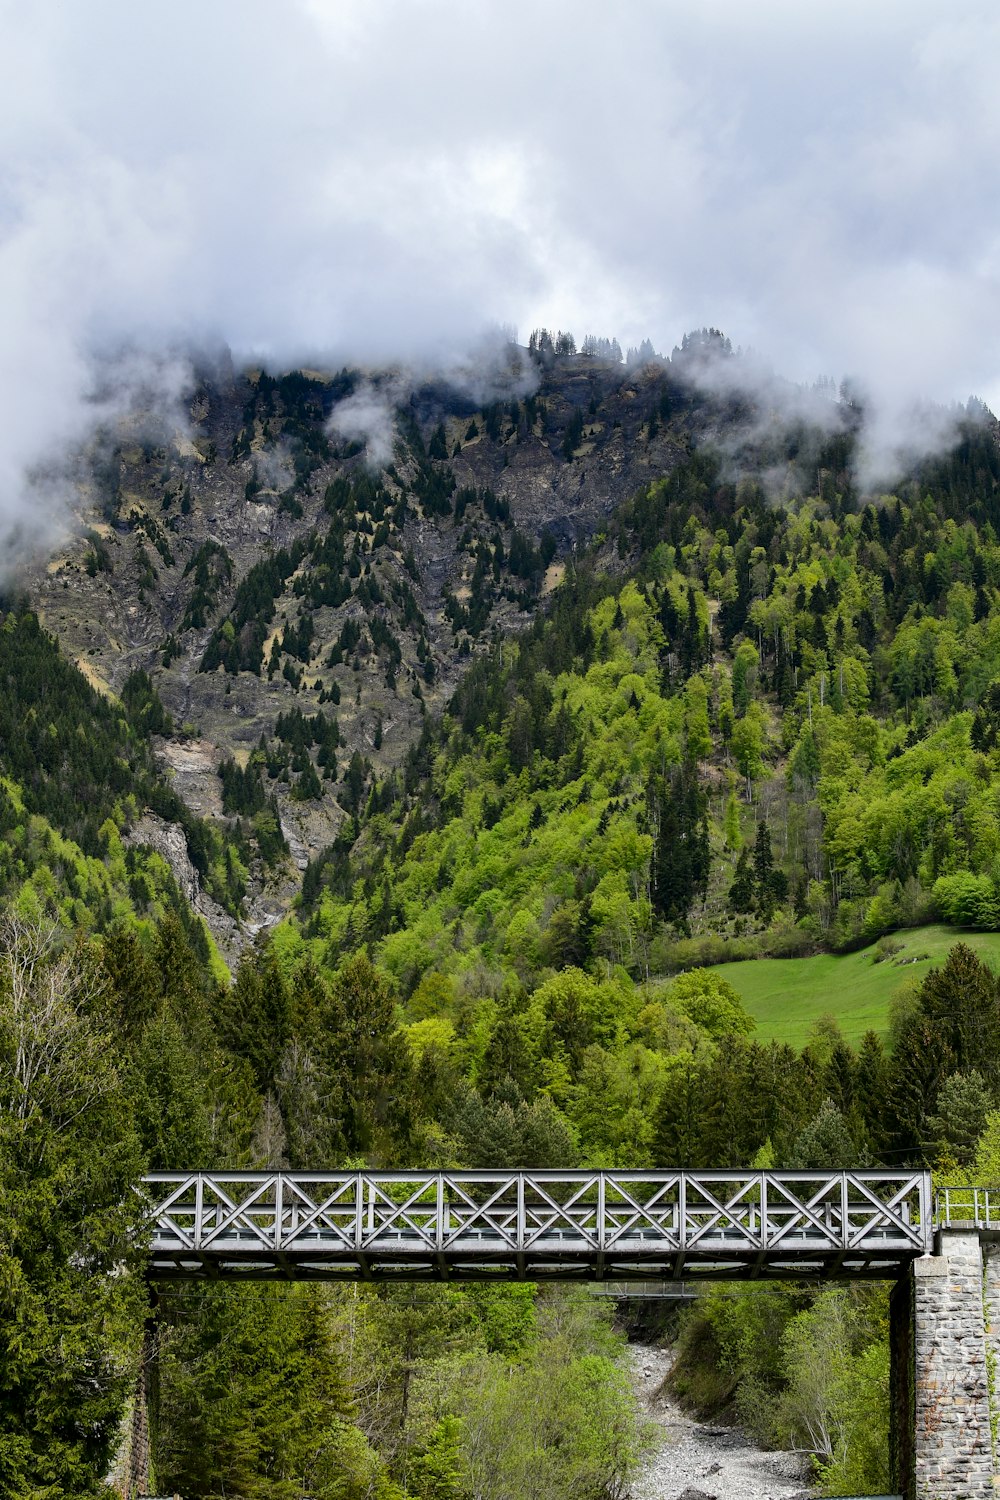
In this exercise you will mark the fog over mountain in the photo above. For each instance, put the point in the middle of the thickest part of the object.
(328, 180)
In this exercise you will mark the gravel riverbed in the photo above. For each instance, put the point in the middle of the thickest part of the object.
(700, 1461)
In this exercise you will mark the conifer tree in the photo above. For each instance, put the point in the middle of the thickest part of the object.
(825, 1143)
(959, 1120)
(254, 1015)
(741, 892)
(70, 1288)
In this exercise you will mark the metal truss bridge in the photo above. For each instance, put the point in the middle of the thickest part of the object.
(536, 1225)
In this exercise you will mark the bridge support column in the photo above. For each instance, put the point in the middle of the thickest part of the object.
(952, 1440)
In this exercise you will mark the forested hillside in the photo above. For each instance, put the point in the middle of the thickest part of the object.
(266, 552)
(777, 734)
(533, 790)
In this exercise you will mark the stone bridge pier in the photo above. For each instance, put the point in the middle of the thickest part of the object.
(945, 1340)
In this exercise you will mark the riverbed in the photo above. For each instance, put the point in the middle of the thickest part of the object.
(701, 1460)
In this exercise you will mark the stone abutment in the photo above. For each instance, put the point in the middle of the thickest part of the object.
(945, 1339)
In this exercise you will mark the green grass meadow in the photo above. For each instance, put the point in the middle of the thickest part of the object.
(786, 996)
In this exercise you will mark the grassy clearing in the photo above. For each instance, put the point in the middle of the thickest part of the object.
(786, 996)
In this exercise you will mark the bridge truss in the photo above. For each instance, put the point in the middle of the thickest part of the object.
(536, 1225)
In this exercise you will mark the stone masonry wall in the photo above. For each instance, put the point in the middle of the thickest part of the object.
(991, 1314)
(953, 1448)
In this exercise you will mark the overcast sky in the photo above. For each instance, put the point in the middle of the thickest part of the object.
(381, 178)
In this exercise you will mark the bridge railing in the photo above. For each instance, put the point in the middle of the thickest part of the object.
(646, 1222)
(978, 1206)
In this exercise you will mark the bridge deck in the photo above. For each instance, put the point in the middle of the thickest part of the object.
(537, 1225)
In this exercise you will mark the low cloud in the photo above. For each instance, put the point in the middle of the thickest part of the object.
(893, 431)
(368, 416)
(274, 467)
(896, 436)
(492, 368)
(128, 396)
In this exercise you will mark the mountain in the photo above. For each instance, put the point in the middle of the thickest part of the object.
(380, 772)
(301, 600)
(263, 571)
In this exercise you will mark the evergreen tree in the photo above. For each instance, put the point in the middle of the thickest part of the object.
(731, 827)
(770, 884)
(132, 978)
(839, 1077)
(506, 1057)
(170, 1100)
(253, 1018)
(678, 1127)
(71, 1294)
(826, 1143)
(681, 855)
(962, 998)
(371, 1059)
(276, 1423)
(870, 1084)
(963, 1104)
(763, 860)
(921, 1060)
(741, 892)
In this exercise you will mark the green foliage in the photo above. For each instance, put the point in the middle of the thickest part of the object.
(561, 1424)
(97, 558)
(242, 789)
(437, 1470)
(169, 1100)
(836, 1397)
(953, 1028)
(985, 1169)
(733, 831)
(962, 1110)
(459, 1390)
(746, 665)
(574, 433)
(373, 1057)
(712, 1003)
(253, 1398)
(826, 1143)
(484, 967)
(967, 900)
(71, 1295)
(254, 1018)
(569, 733)
(806, 1369)
(503, 1130)
(74, 770)
(210, 570)
(142, 704)
(681, 854)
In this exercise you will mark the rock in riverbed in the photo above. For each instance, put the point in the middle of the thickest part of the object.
(697, 1461)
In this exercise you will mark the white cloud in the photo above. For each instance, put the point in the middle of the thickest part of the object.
(382, 179)
(368, 416)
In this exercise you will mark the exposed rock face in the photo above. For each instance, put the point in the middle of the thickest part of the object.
(193, 769)
(167, 840)
(170, 532)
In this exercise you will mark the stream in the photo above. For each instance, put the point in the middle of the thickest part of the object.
(700, 1460)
